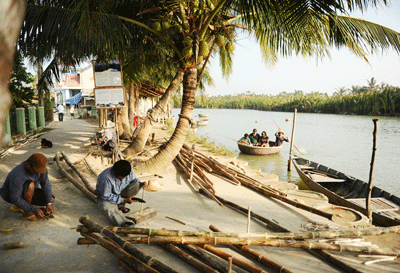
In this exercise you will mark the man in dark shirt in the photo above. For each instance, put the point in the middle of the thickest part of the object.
(280, 138)
(254, 137)
(21, 188)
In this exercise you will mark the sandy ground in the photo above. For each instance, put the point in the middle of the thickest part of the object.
(50, 246)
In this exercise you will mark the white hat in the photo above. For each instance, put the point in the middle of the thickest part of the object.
(110, 124)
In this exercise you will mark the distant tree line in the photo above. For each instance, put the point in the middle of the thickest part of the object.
(367, 100)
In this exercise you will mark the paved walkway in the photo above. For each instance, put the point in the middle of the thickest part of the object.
(50, 246)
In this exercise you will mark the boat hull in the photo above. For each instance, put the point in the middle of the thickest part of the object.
(347, 191)
(256, 150)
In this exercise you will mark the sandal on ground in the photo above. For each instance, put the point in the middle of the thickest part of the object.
(30, 216)
(15, 208)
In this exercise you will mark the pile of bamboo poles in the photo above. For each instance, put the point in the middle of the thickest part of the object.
(193, 162)
(20, 144)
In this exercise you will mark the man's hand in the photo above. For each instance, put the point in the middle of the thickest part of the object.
(50, 209)
(144, 184)
(39, 214)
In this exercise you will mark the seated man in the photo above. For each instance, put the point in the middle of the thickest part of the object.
(109, 141)
(245, 139)
(115, 187)
(280, 138)
(21, 189)
(254, 137)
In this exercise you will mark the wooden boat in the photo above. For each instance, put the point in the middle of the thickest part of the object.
(257, 150)
(203, 115)
(347, 191)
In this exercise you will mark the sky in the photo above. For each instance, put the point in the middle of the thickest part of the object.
(343, 69)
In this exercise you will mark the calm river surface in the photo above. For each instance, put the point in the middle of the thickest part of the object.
(341, 142)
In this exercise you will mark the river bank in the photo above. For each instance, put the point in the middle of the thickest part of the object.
(54, 243)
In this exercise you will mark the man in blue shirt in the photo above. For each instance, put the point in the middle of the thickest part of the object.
(21, 188)
(115, 187)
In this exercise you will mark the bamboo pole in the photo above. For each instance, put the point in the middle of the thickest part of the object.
(90, 168)
(77, 184)
(129, 259)
(262, 259)
(291, 141)
(240, 263)
(84, 180)
(188, 258)
(285, 234)
(192, 164)
(371, 172)
(183, 240)
(212, 260)
(125, 245)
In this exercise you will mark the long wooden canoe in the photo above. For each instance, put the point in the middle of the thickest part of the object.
(347, 191)
(257, 150)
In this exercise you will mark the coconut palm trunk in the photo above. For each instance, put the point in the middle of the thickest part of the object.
(161, 160)
(124, 128)
(139, 142)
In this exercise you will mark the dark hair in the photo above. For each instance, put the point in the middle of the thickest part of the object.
(263, 132)
(246, 135)
(122, 168)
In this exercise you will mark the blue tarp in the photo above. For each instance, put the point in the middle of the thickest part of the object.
(74, 99)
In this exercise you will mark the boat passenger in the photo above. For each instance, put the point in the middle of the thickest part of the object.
(280, 138)
(254, 137)
(263, 141)
(245, 139)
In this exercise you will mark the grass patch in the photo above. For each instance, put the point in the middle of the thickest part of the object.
(214, 147)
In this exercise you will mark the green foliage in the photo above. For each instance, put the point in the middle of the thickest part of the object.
(216, 148)
(21, 84)
(380, 101)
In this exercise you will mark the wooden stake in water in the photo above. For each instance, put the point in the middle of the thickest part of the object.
(291, 141)
(248, 219)
(371, 172)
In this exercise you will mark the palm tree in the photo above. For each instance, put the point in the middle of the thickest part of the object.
(189, 28)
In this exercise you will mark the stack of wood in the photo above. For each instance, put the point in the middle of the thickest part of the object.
(20, 144)
(193, 162)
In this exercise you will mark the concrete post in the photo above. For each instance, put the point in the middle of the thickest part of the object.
(8, 125)
(21, 127)
(32, 118)
(41, 117)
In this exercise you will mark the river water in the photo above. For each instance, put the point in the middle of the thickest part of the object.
(341, 142)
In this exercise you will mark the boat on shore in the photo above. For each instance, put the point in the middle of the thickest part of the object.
(347, 191)
(201, 122)
(257, 150)
(203, 115)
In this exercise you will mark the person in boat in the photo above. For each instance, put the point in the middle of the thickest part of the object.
(21, 189)
(280, 138)
(245, 139)
(117, 186)
(263, 141)
(254, 137)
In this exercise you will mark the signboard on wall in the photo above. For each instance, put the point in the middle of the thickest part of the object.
(109, 98)
(109, 92)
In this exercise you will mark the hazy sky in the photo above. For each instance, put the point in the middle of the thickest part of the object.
(344, 69)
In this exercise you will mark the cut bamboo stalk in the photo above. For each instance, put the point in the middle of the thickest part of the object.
(84, 180)
(131, 260)
(275, 235)
(176, 220)
(192, 164)
(13, 245)
(248, 219)
(229, 264)
(188, 259)
(90, 168)
(262, 259)
(127, 268)
(236, 261)
(77, 184)
(125, 245)
(380, 260)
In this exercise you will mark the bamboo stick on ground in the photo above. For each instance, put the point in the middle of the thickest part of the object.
(125, 245)
(90, 168)
(262, 259)
(240, 263)
(129, 259)
(212, 260)
(77, 184)
(84, 180)
(189, 259)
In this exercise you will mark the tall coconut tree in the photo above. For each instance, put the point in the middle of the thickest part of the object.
(301, 27)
